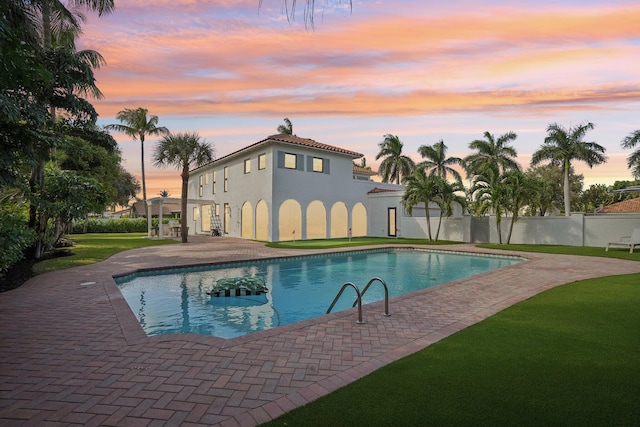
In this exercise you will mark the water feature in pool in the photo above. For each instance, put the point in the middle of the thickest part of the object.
(176, 300)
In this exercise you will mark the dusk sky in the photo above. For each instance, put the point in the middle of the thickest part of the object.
(420, 69)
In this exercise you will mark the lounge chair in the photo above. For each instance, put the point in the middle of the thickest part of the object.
(627, 241)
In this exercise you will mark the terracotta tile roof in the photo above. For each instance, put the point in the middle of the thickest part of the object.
(364, 171)
(307, 142)
(625, 206)
(290, 139)
(381, 190)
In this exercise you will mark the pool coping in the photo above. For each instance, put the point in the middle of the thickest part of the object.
(66, 358)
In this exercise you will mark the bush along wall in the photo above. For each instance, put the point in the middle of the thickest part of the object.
(121, 225)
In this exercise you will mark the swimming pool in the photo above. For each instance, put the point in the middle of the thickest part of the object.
(174, 301)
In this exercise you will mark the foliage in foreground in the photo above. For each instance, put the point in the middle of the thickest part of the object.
(565, 357)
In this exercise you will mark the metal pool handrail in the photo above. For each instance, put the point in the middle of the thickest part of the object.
(358, 300)
(386, 294)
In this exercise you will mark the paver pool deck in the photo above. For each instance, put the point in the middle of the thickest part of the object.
(73, 353)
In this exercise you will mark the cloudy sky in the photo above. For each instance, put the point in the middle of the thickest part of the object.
(421, 69)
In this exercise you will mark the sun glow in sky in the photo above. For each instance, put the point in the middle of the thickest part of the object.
(420, 69)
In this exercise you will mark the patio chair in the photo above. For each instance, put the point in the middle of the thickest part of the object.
(627, 241)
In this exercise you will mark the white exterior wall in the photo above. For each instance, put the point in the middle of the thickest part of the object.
(575, 230)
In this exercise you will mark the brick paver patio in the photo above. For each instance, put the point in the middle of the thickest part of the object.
(73, 353)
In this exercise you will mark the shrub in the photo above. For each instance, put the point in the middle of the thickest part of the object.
(111, 225)
(15, 237)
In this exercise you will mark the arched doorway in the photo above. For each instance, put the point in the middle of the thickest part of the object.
(246, 226)
(339, 220)
(316, 220)
(290, 221)
(359, 220)
(262, 221)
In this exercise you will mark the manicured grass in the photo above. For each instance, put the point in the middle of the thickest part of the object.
(620, 253)
(92, 248)
(356, 241)
(568, 356)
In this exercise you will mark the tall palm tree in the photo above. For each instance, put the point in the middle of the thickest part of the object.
(437, 161)
(138, 125)
(562, 146)
(289, 7)
(60, 25)
(184, 151)
(492, 150)
(286, 128)
(395, 165)
(633, 161)
(421, 188)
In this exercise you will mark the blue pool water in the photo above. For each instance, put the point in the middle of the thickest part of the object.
(176, 300)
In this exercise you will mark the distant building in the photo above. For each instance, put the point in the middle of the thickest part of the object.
(625, 206)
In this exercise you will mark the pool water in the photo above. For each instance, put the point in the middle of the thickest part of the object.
(176, 300)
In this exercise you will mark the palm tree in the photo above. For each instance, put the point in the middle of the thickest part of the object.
(436, 161)
(521, 191)
(184, 151)
(562, 146)
(286, 128)
(421, 188)
(395, 165)
(309, 9)
(446, 197)
(164, 193)
(633, 161)
(60, 25)
(137, 125)
(490, 193)
(492, 150)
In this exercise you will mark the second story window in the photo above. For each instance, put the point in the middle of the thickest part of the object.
(318, 164)
(290, 161)
(226, 179)
(262, 161)
(214, 182)
(200, 187)
(247, 166)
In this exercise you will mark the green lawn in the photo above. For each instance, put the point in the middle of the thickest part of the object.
(92, 248)
(619, 253)
(568, 356)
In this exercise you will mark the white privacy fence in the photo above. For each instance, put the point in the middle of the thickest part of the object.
(578, 229)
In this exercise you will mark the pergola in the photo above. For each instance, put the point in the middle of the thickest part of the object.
(160, 200)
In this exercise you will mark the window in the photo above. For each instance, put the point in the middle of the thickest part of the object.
(290, 161)
(200, 188)
(247, 166)
(214, 182)
(262, 161)
(226, 179)
(216, 209)
(318, 164)
(206, 179)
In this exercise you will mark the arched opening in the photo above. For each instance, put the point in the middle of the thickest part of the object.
(359, 220)
(262, 221)
(316, 220)
(290, 221)
(339, 220)
(246, 226)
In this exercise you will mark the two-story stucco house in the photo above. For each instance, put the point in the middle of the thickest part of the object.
(288, 188)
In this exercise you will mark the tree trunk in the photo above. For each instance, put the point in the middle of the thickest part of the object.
(499, 228)
(183, 204)
(426, 203)
(514, 218)
(439, 223)
(567, 190)
(144, 181)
